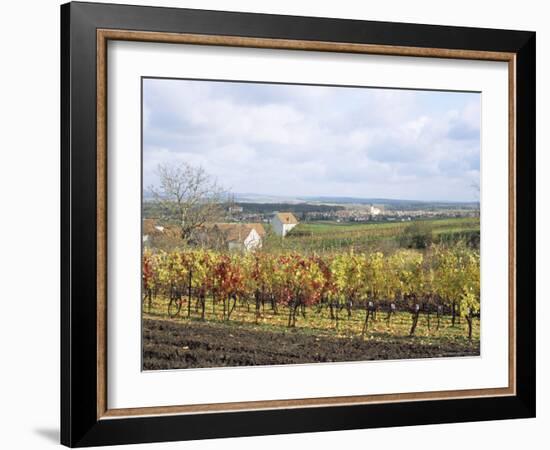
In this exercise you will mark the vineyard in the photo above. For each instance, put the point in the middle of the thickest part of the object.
(345, 291)
(330, 237)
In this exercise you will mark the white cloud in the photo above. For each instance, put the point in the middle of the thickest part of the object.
(304, 140)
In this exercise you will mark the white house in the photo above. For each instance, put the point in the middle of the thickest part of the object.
(283, 222)
(239, 236)
(373, 210)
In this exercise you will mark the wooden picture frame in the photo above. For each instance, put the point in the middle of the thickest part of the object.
(86, 418)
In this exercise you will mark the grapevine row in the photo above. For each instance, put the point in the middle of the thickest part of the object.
(438, 280)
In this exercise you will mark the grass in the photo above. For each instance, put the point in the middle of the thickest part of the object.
(384, 228)
(332, 236)
(319, 323)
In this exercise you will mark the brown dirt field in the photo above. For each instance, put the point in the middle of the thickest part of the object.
(176, 345)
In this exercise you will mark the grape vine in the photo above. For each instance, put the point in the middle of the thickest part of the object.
(440, 279)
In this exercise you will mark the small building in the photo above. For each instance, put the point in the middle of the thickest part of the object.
(150, 229)
(283, 222)
(237, 236)
(375, 210)
(163, 236)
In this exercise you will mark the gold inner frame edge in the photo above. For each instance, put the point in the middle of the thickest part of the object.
(103, 36)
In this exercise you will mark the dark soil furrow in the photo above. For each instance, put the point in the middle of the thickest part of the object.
(174, 345)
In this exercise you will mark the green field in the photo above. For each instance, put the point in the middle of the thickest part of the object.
(386, 228)
(333, 236)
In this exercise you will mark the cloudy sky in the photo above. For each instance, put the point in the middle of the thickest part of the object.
(293, 140)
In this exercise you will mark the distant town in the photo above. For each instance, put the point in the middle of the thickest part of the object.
(352, 212)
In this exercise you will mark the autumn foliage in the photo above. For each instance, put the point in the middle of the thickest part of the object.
(409, 280)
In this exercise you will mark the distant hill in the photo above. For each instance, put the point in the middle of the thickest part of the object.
(285, 202)
(303, 207)
(327, 200)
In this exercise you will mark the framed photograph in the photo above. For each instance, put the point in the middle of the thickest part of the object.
(277, 224)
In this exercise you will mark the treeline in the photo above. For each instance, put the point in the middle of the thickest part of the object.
(434, 281)
(154, 209)
(297, 208)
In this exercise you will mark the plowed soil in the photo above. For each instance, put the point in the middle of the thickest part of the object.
(175, 345)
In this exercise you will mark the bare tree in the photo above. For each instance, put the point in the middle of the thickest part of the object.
(191, 197)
